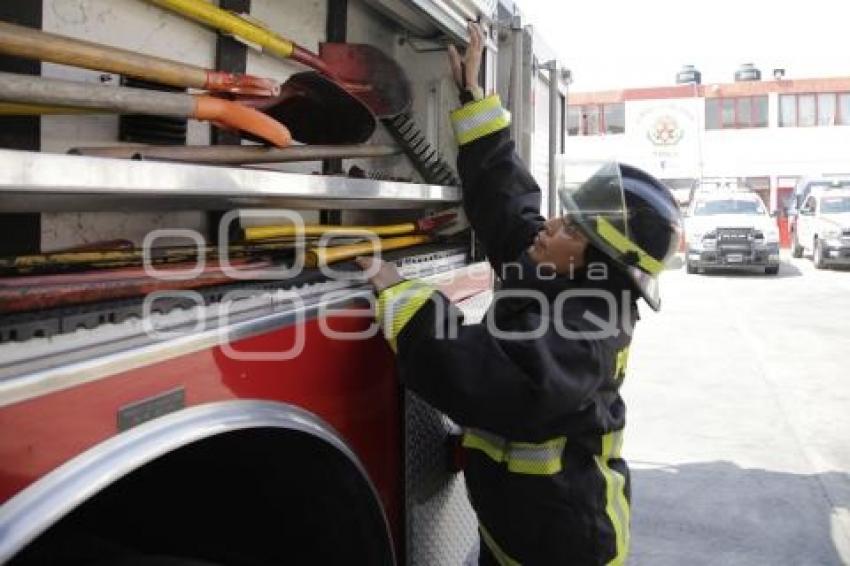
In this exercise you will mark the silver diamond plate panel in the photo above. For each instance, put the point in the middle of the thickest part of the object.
(441, 525)
(474, 308)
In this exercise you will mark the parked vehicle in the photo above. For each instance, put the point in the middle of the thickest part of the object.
(730, 230)
(802, 190)
(823, 228)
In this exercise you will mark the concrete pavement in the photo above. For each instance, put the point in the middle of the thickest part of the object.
(739, 420)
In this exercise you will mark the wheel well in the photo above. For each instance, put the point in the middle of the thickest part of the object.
(246, 497)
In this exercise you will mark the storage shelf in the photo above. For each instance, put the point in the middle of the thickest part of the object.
(43, 182)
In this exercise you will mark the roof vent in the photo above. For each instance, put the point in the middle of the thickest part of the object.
(688, 75)
(747, 72)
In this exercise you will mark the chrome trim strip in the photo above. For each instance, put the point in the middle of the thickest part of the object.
(31, 512)
(38, 182)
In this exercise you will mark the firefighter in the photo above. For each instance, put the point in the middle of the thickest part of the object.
(536, 386)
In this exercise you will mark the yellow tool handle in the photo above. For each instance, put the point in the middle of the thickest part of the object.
(230, 23)
(268, 232)
(317, 257)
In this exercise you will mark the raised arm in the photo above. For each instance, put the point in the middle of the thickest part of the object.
(501, 198)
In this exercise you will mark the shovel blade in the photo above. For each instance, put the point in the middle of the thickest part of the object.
(370, 75)
(318, 111)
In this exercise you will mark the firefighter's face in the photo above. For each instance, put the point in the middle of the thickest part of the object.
(559, 244)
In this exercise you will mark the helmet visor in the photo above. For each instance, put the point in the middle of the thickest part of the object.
(591, 195)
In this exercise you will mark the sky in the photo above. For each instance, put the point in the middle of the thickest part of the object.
(613, 44)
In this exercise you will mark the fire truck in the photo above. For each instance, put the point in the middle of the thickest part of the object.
(233, 412)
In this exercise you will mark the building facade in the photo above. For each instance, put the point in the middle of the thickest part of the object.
(767, 134)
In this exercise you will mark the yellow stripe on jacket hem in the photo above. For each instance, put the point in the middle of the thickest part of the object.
(398, 304)
(480, 118)
(616, 504)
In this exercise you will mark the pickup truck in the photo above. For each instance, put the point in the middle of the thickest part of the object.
(730, 230)
(823, 228)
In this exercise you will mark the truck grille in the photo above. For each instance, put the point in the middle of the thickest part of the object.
(734, 235)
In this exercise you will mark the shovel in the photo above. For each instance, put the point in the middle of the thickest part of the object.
(32, 44)
(39, 90)
(363, 70)
(316, 110)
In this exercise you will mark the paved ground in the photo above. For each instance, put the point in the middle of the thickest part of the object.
(739, 420)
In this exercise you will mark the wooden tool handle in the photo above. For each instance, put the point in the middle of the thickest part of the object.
(40, 90)
(21, 109)
(317, 257)
(26, 42)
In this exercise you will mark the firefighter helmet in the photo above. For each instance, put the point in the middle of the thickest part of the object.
(628, 215)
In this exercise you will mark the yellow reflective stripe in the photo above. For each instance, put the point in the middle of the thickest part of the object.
(622, 244)
(398, 304)
(475, 441)
(500, 555)
(616, 505)
(622, 362)
(540, 459)
(479, 119)
(544, 459)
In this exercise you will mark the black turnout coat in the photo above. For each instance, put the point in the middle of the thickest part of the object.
(562, 382)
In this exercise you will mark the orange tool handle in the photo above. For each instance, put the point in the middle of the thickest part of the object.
(238, 117)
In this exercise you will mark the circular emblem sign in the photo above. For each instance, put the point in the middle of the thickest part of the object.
(665, 131)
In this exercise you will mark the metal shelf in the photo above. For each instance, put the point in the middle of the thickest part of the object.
(42, 182)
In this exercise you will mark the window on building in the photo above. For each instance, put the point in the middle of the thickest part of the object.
(788, 110)
(712, 114)
(728, 112)
(573, 120)
(745, 114)
(809, 109)
(597, 119)
(615, 118)
(736, 112)
(759, 112)
(591, 120)
(844, 109)
(806, 110)
(826, 109)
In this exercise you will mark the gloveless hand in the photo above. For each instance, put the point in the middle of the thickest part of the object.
(385, 274)
(465, 70)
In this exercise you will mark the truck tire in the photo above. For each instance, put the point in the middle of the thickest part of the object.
(818, 255)
(796, 248)
(771, 270)
(690, 268)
